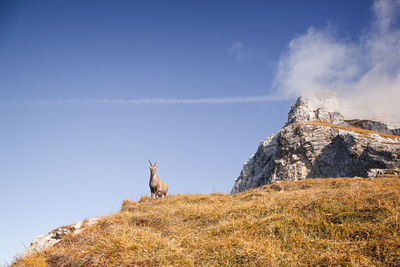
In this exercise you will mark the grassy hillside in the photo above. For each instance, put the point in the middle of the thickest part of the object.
(342, 221)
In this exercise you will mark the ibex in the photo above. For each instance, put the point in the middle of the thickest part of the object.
(157, 187)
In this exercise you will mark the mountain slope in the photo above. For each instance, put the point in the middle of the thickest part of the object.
(317, 143)
(342, 221)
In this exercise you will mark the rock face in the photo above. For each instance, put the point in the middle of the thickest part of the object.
(302, 111)
(43, 242)
(317, 143)
(373, 126)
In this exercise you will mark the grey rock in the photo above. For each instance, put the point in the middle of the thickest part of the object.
(370, 125)
(329, 117)
(302, 110)
(372, 173)
(261, 163)
(310, 150)
(43, 242)
(395, 132)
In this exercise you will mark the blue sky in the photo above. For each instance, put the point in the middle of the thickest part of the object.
(74, 143)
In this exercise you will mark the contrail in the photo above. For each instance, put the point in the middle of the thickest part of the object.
(146, 101)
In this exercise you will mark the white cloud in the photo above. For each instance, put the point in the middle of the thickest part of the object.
(365, 75)
(241, 52)
(236, 50)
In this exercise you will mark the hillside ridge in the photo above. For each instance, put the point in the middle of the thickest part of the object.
(332, 221)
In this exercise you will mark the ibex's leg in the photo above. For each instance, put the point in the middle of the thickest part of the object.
(153, 192)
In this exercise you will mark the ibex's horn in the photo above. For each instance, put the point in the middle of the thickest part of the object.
(150, 163)
(155, 163)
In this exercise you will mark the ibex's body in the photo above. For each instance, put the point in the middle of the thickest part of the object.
(157, 187)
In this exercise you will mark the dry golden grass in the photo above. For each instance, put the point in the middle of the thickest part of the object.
(365, 133)
(341, 221)
(390, 173)
(35, 260)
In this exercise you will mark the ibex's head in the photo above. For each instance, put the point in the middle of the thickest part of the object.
(153, 168)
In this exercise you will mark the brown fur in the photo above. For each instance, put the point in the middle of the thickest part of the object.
(157, 187)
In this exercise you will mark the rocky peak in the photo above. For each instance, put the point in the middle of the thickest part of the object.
(316, 142)
(303, 110)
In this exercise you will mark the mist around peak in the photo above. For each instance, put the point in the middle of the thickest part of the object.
(358, 79)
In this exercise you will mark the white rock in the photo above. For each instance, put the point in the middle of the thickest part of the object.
(43, 242)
